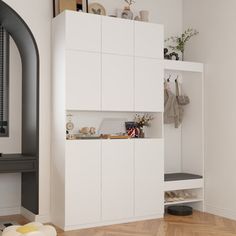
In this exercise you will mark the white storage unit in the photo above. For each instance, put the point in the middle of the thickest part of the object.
(96, 75)
(184, 147)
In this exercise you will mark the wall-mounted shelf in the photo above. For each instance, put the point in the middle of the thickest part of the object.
(183, 66)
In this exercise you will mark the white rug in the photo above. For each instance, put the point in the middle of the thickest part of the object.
(4, 224)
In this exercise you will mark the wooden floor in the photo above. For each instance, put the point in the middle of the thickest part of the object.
(199, 224)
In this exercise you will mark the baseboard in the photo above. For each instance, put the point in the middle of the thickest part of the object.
(7, 211)
(106, 223)
(32, 217)
(220, 212)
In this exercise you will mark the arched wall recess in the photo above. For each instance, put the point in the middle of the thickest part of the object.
(27, 46)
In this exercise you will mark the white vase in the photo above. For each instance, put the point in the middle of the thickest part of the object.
(144, 16)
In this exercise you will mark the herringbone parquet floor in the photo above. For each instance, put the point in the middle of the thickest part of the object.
(199, 224)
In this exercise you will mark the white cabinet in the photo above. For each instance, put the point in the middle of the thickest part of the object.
(149, 40)
(82, 182)
(149, 177)
(117, 36)
(117, 179)
(83, 83)
(117, 83)
(149, 89)
(83, 31)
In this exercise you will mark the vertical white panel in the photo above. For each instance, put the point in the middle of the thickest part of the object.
(149, 40)
(117, 179)
(149, 95)
(83, 31)
(117, 83)
(117, 36)
(149, 177)
(83, 81)
(83, 185)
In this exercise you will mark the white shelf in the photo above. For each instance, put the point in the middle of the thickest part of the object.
(183, 66)
(185, 201)
(183, 184)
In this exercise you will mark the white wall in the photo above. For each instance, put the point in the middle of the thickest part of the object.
(167, 12)
(215, 46)
(37, 15)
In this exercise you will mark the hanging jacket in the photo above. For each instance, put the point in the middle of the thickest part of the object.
(173, 112)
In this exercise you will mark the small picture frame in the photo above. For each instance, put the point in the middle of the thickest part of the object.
(73, 5)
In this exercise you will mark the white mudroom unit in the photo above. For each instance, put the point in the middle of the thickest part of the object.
(107, 71)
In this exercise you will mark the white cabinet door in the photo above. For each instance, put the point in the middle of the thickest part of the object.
(117, 179)
(149, 177)
(117, 83)
(149, 94)
(83, 31)
(149, 40)
(83, 182)
(83, 80)
(117, 36)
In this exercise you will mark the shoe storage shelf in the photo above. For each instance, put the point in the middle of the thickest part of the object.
(184, 146)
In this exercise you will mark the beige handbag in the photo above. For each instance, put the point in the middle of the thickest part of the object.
(181, 99)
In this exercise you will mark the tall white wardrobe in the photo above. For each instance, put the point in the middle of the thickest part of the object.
(106, 67)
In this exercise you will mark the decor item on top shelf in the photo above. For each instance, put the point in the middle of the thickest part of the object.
(180, 41)
(82, 5)
(132, 129)
(87, 131)
(112, 126)
(73, 5)
(69, 127)
(67, 5)
(96, 8)
(127, 13)
(143, 121)
(144, 15)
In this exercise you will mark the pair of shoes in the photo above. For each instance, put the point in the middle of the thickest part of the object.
(180, 195)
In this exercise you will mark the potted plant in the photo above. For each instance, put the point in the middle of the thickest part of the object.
(143, 121)
(180, 41)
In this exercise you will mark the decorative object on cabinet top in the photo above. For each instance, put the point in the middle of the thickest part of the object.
(73, 5)
(96, 8)
(180, 41)
(127, 13)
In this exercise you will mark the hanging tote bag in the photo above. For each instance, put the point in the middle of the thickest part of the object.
(181, 99)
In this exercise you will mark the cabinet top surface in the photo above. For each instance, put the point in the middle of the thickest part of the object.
(69, 13)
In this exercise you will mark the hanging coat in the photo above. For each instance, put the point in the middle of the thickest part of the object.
(173, 112)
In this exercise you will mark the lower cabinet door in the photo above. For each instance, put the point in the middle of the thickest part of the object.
(149, 177)
(83, 182)
(117, 179)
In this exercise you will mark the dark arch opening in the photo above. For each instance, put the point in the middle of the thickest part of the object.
(27, 161)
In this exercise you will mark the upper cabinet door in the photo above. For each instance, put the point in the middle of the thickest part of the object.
(149, 94)
(83, 81)
(117, 36)
(117, 83)
(149, 40)
(83, 31)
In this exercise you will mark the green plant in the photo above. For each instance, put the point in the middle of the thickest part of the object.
(180, 41)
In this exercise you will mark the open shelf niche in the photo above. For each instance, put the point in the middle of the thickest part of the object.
(94, 119)
(184, 146)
